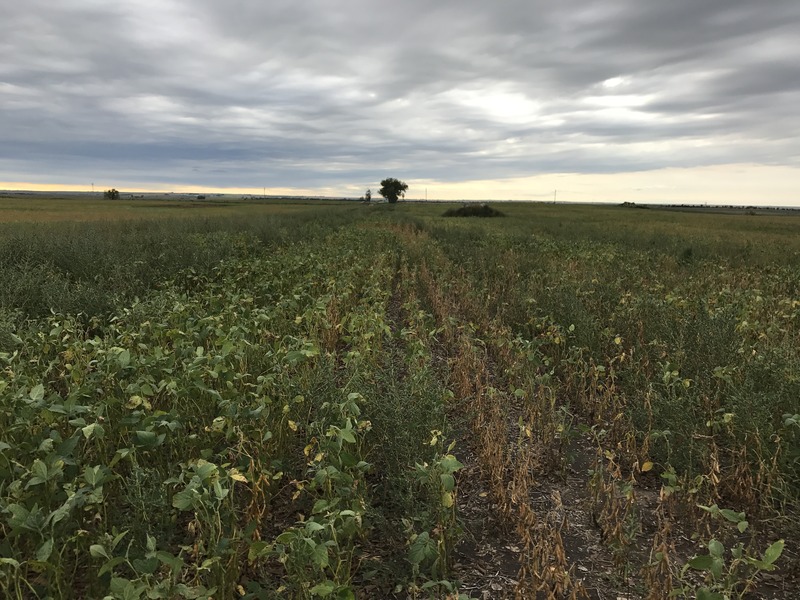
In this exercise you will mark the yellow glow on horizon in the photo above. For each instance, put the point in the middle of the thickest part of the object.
(738, 184)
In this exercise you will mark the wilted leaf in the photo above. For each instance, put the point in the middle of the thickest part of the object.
(9, 561)
(447, 500)
(237, 476)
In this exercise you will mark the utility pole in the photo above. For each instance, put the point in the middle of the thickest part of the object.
(554, 196)
(426, 194)
(93, 187)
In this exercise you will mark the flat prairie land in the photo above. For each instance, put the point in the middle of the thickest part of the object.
(40, 207)
(282, 399)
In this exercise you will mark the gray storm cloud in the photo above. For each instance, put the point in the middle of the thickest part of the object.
(248, 93)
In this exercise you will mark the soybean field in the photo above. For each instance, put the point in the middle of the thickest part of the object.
(274, 400)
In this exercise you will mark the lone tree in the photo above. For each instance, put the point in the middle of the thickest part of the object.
(392, 189)
(368, 195)
(111, 194)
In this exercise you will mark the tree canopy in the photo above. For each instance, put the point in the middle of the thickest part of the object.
(392, 189)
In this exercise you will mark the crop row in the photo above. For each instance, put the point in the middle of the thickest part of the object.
(232, 434)
(583, 361)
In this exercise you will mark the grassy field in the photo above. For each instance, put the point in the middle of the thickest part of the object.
(277, 400)
(45, 208)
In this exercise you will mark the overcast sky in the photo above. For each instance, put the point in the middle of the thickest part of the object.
(468, 98)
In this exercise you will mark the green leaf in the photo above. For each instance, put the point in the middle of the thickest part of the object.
(118, 538)
(448, 482)
(347, 436)
(174, 563)
(702, 563)
(118, 584)
(731, 515)
(147, 566)
(44, 551)
(450, 464)
(37, 393)
(742, 526)
(145, 438)
(323, 589)
(717, 565)
(109, 566)
(258, 549)
(774, 552)
(422, 549)
(184, 500)
(95, 429)
(295, 356)
(313, 526)
(220, 492)
(287, 537)
(346, 594)
(205, 469)
(716, 548)
(61, 512)
(124, 358)
(19, 516)
(98, 551)
(39, 471)
(320, 556)
(94, 476)
(148, 439)
(348, 460)
(705, 594)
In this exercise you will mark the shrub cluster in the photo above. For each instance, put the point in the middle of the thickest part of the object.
(473, 210)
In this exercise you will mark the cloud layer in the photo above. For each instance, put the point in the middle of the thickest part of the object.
(333, 95)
